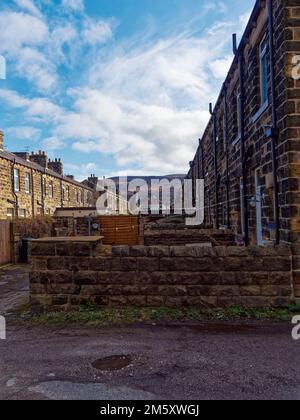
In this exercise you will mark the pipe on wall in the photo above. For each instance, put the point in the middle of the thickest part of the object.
(32, 193)
(227, 156)
(215, 164)
(243, 160)
(274, 130)
(16, 205)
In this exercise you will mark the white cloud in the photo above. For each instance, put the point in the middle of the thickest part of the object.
(29, 6)
(40, 108)
(144, 102)
(23, 133)
(19, 29)
(148, 105)
(53, 143)
(36, 68)
(77, 5)
(81, 172)
(96, 32)
(220, 67)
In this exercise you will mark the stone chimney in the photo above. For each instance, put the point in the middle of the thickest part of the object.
(70, 177)
(93, 181)
(39, 158)
(1, 140)
(56, 166)
(23, 155)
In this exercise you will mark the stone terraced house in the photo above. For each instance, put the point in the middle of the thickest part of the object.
(249, 154)
(32, 185)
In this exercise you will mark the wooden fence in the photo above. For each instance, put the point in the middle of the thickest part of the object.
(120, 230)
(5, 242)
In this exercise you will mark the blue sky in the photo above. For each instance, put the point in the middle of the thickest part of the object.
(114, 86)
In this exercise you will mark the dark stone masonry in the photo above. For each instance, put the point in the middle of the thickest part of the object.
(66, 275)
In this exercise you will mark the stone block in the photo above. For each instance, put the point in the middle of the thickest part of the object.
(74, 249)
(147, 264)
(155, 301)
(124, 264)
(118, 301)
(139, 301)
(251, 290)
(120, 251)
(138, 251)
(86, 277)
(97, 264)
(158, 251)
(42, 249)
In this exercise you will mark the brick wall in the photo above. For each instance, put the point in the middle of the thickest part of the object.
(73, 274)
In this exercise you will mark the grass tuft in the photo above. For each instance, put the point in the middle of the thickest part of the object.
(93, 316)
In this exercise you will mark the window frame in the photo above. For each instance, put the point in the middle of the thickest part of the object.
(50, 189)
(28, 183)
(17, 185)
(263, 78)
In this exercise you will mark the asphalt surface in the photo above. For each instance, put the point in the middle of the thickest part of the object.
(202, 361)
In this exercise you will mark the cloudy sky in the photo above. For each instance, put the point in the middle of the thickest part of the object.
(114, 86)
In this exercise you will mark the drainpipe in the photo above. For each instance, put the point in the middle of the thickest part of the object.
(242, 134)
(32, 193)
(200, 167)
(215, 162)
(227, 156)
(16, 203)
(43, 193)
(62, 193)
(273, 131)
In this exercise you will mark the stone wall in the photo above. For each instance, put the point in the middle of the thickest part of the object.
(66, 275)
(173, 235)
(36, 203)
(224, 183)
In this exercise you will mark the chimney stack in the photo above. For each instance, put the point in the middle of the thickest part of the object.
(1, 140)
(39, 158)
(56, 166)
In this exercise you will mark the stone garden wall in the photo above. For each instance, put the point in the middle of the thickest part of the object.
(65, 275)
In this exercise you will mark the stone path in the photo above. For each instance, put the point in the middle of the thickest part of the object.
(14, 287)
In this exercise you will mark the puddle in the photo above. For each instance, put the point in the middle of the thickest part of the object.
(112, 363)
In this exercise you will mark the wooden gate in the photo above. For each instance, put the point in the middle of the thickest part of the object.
(5, 242)
(120, 230)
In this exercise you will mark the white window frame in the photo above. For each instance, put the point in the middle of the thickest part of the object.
(262, 56)
(16, 180)
(27, 183)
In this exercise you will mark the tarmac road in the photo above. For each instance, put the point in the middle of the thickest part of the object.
(254, 360)
(191, 361)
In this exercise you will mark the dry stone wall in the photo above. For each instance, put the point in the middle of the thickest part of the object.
(66, 275)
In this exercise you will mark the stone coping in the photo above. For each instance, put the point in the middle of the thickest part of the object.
(90, 239)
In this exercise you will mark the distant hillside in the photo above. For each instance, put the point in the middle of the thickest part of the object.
(148, 179)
